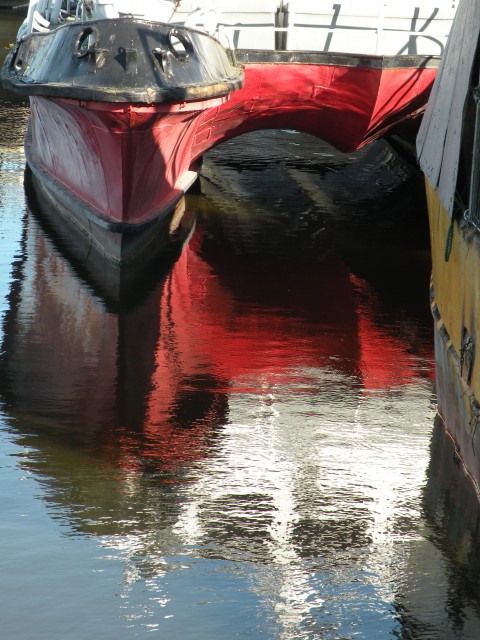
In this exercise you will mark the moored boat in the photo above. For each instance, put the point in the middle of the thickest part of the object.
(124, 105)
(448, 147)
(114, 102)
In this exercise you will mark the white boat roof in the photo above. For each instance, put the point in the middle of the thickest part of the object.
(373, 27)
(439, 138)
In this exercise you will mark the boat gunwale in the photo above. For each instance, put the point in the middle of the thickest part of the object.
(369, 61)
(12, 79)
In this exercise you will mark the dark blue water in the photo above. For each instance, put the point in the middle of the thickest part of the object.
(242, 445)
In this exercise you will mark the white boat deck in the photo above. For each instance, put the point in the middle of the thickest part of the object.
(374, 27)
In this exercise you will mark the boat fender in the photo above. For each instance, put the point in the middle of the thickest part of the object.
(86, 42)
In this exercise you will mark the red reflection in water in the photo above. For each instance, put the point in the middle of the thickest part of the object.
(154, 383)
(387, 360)
(216, 340)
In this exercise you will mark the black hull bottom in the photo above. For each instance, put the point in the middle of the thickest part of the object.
(112, 282)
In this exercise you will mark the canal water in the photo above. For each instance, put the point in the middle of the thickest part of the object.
(243, 444)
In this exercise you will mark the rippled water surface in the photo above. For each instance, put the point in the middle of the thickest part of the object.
(243, 444)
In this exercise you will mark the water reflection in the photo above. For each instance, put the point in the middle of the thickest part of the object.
(206, 418)
(9, 24)
(452, 519)
(239, 447)
(72, 357)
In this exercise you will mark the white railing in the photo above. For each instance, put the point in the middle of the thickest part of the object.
(373, 27)
(381, 28)
(376, 27)
(44, 15)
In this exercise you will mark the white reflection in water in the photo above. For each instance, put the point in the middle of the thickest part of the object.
(324, 507)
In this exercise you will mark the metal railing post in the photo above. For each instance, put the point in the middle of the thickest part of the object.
(380, 30)
(55, 11)
(31, 10)
(291, 24)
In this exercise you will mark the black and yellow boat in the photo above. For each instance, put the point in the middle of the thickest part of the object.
(448, 147)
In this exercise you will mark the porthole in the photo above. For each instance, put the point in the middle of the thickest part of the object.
(179, 44)
(85, 42)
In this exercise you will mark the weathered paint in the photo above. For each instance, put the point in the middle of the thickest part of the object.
(456, 308)
(128, 162)
(120, 117)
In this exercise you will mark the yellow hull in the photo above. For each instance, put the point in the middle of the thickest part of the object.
(455, 300)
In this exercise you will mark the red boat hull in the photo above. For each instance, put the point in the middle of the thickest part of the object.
(128, 164)
(346, 106)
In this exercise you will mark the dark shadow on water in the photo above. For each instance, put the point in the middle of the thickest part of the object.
(445, 602)
(452, 510)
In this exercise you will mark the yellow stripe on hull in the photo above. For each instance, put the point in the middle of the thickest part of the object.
(455, 299)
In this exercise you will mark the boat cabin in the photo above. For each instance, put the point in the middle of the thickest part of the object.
(377, 27)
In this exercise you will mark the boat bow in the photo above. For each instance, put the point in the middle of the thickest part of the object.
(121, 60)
